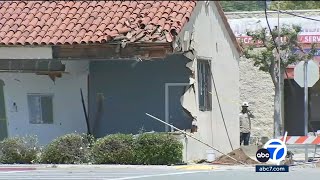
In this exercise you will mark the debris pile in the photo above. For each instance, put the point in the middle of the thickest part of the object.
(239, 155)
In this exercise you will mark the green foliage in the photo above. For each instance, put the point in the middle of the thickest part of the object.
(20, 150)
(114, 149)
(158, 149)
(147, 148)
(231, 6)
(265, 54)
(295, 5)
(68, 149)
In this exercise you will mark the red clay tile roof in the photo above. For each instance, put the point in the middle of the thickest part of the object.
(82, 22)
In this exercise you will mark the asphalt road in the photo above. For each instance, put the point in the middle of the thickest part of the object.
(157, 173)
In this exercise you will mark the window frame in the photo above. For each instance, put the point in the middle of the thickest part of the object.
(204, 84)
(31, 116)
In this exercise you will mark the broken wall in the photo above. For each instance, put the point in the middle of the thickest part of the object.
(122, 91)
(211, 41)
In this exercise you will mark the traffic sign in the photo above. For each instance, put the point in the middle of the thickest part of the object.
(312, 74)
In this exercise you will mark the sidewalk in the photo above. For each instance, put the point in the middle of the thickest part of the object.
(28, 167)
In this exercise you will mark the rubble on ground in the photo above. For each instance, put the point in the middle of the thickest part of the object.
(239, 155)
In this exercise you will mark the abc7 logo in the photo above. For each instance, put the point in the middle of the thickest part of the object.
(263, 155)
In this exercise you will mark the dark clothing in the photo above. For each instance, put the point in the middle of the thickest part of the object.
(245, 137)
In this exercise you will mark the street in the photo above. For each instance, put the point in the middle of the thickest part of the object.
(156, 173)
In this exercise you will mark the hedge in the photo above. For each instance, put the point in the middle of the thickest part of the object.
(147, 149)
(19, 150)
(158, 149)
(153, 149)
(68, 149)
(114, 149)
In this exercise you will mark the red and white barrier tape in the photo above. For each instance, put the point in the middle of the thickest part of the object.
(302, 140)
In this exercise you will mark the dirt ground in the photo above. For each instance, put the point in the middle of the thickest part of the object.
(239, 155)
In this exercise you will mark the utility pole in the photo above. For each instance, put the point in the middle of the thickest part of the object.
(306, 99)
(306, 107)
(277, 123)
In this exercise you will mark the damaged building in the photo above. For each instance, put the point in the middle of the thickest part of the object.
(176, 60)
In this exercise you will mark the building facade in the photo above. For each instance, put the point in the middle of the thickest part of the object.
(256, 86)
(129, 58)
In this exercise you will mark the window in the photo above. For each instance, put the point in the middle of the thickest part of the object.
(204, 85)
(40, 108)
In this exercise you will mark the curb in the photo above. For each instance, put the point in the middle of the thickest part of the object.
(8, 167)
(229, 164)
(196, 167)
(102, 166)
(17, 169)
(212, 166)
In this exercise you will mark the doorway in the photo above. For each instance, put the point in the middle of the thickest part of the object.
(3, 117)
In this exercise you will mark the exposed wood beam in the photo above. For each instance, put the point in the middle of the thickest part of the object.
(112, 51)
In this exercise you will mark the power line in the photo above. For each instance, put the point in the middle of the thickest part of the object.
(309, 123)
(292, 14)
(278, 51)
(281, 11)
(285, 70)
(266, 15)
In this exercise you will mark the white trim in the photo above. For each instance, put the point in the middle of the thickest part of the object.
(166, 95)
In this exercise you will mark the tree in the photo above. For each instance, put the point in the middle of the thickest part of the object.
(295, 5)
(231, 6)
(264, 56)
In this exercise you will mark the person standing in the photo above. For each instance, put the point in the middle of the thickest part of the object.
(245, 124)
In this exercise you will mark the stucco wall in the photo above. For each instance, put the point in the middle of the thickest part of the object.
(68, 114)
(211, 41)
(25, 52)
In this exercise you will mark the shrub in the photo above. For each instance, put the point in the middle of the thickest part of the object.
(114, 149)
(19, 150)
(68, 149)
(158, 149)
